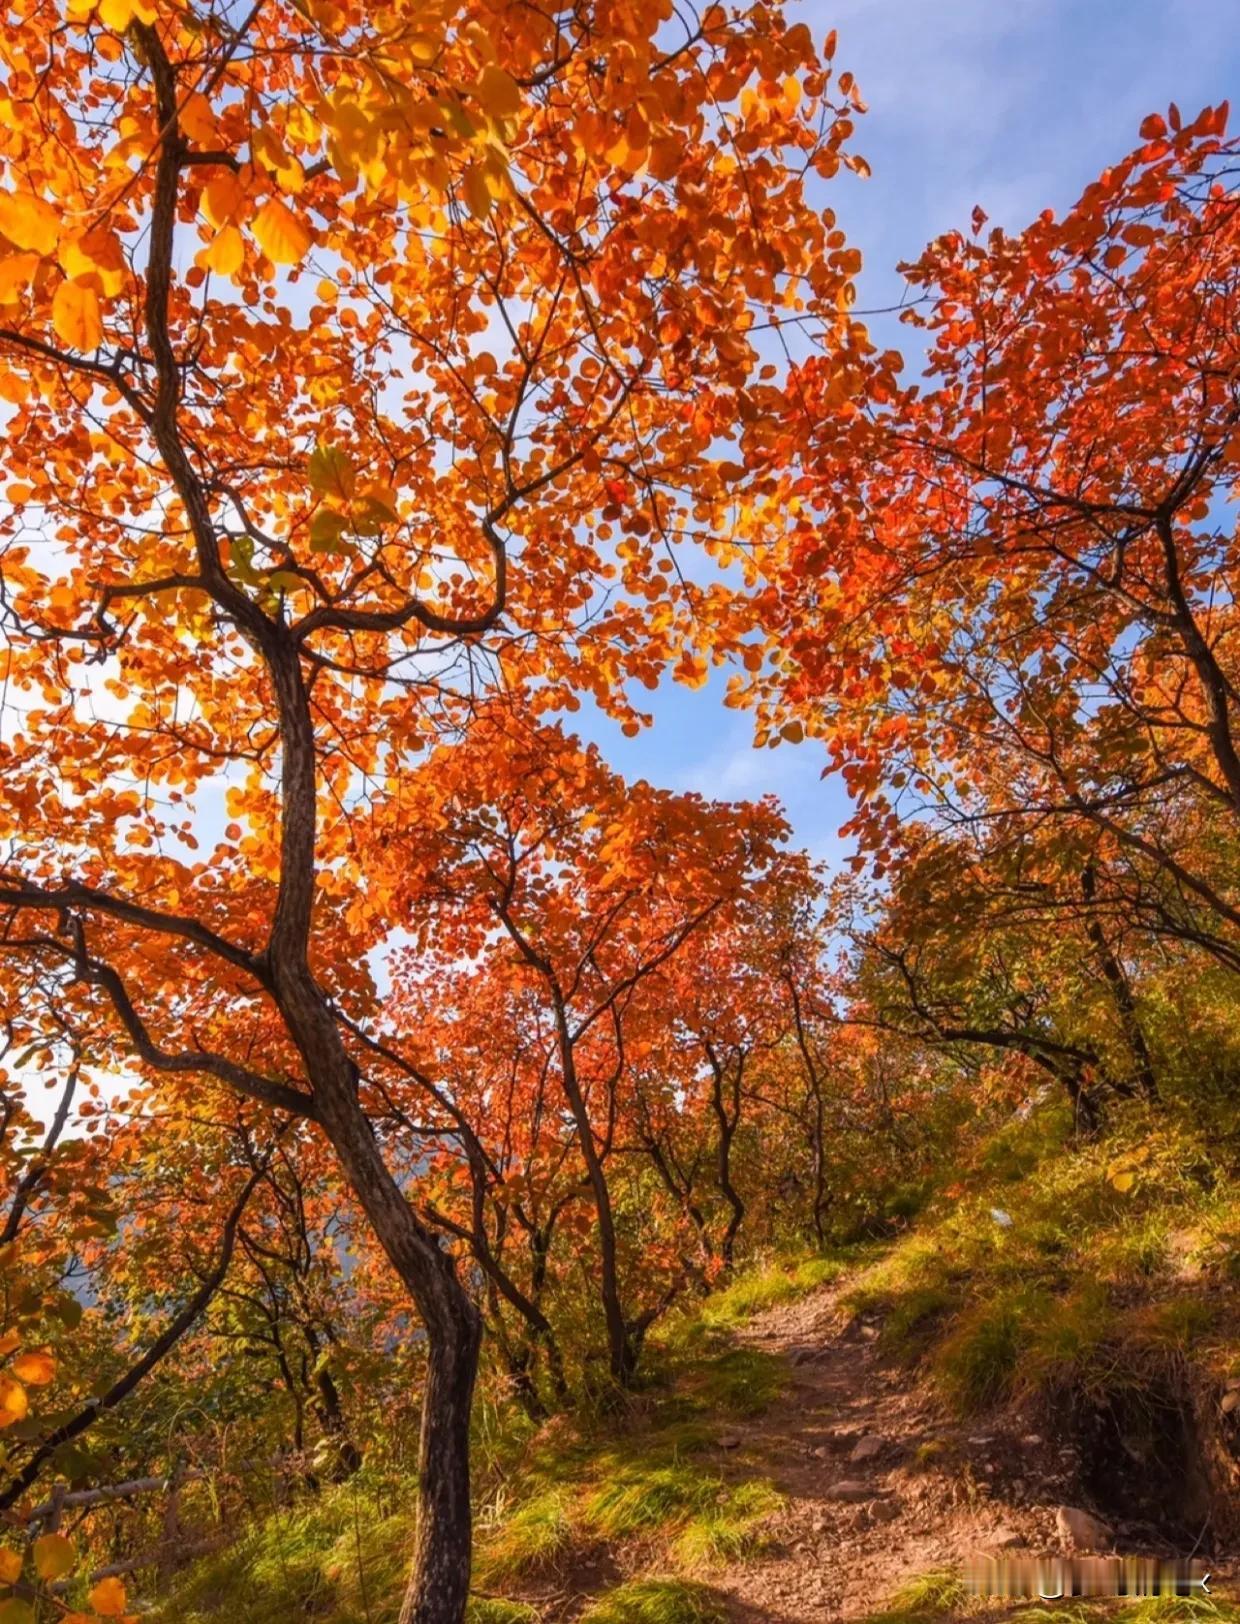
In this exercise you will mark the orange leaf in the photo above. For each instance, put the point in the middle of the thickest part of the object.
(281, 235)
(108, 1598)
(498, 92)
(75, 316)
(13, 1401)
(28, 222)
(225, 253)
(37, 1369)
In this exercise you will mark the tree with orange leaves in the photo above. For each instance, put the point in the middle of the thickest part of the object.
(1009, 596)
(358, 361)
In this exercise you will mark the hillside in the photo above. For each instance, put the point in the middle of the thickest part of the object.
(837, 1437)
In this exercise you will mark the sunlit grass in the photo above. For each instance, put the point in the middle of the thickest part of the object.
(657, 1601)
(531, 1537)
(737, 1525)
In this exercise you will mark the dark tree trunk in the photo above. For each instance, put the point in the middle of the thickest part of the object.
(727, 1112)
(1121, 991)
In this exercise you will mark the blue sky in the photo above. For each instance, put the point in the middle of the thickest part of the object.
(1012, 104)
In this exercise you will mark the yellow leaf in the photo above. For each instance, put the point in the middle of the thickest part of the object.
(198, 120)
(108, 1598)
(10, 1565)
(1123, 1182)
(498, 92)
(28, 222)
(13, 1401)
(477, 193)
(225, 253)
(75, 316)
(222, 199)
(54, 1556)
(281, 235)
(36, 1369)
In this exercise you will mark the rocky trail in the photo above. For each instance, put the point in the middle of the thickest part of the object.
(881, 1485)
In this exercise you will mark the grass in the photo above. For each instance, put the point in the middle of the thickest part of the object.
(940, 1591)
(1038, 1280)
(736, 1525)
(652, 1484)
(531, 1537)
(342, 1557)
(780, 1280)
(977, 1364)
(643, 1496)
(496, 1610)
(656, 1601)
(930, 1596)
(739, 1381)
(1149, 1610)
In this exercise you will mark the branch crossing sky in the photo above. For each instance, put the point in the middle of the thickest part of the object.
(1015, 105)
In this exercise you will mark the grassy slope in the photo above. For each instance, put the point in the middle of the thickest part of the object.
(1049, 1269)
(1056, 1269)
(644, 1491)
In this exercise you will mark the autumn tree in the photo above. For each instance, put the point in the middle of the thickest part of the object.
(357, 362)
(559, 912)
(1008, 596)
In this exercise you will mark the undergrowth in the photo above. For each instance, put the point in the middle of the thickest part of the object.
(646, 1474)
(1057, 1267)
(656, 1601)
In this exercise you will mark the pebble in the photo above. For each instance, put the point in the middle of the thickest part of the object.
(1080, 1530)
(850, 1489)
(867, 1448)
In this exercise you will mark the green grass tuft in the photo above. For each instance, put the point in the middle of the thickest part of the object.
(940, 1591)
(498, 1610)
(735, 1526)
(742, 1381)
(657, 1601)
(532, 1536)
(643, 1496)
(977, 1364)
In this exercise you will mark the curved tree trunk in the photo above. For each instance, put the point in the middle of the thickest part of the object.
(439, 1582)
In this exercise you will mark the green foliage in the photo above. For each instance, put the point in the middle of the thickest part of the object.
(656, 1601)
(341, 1557)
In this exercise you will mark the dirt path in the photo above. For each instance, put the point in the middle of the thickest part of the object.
(882, 1486)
